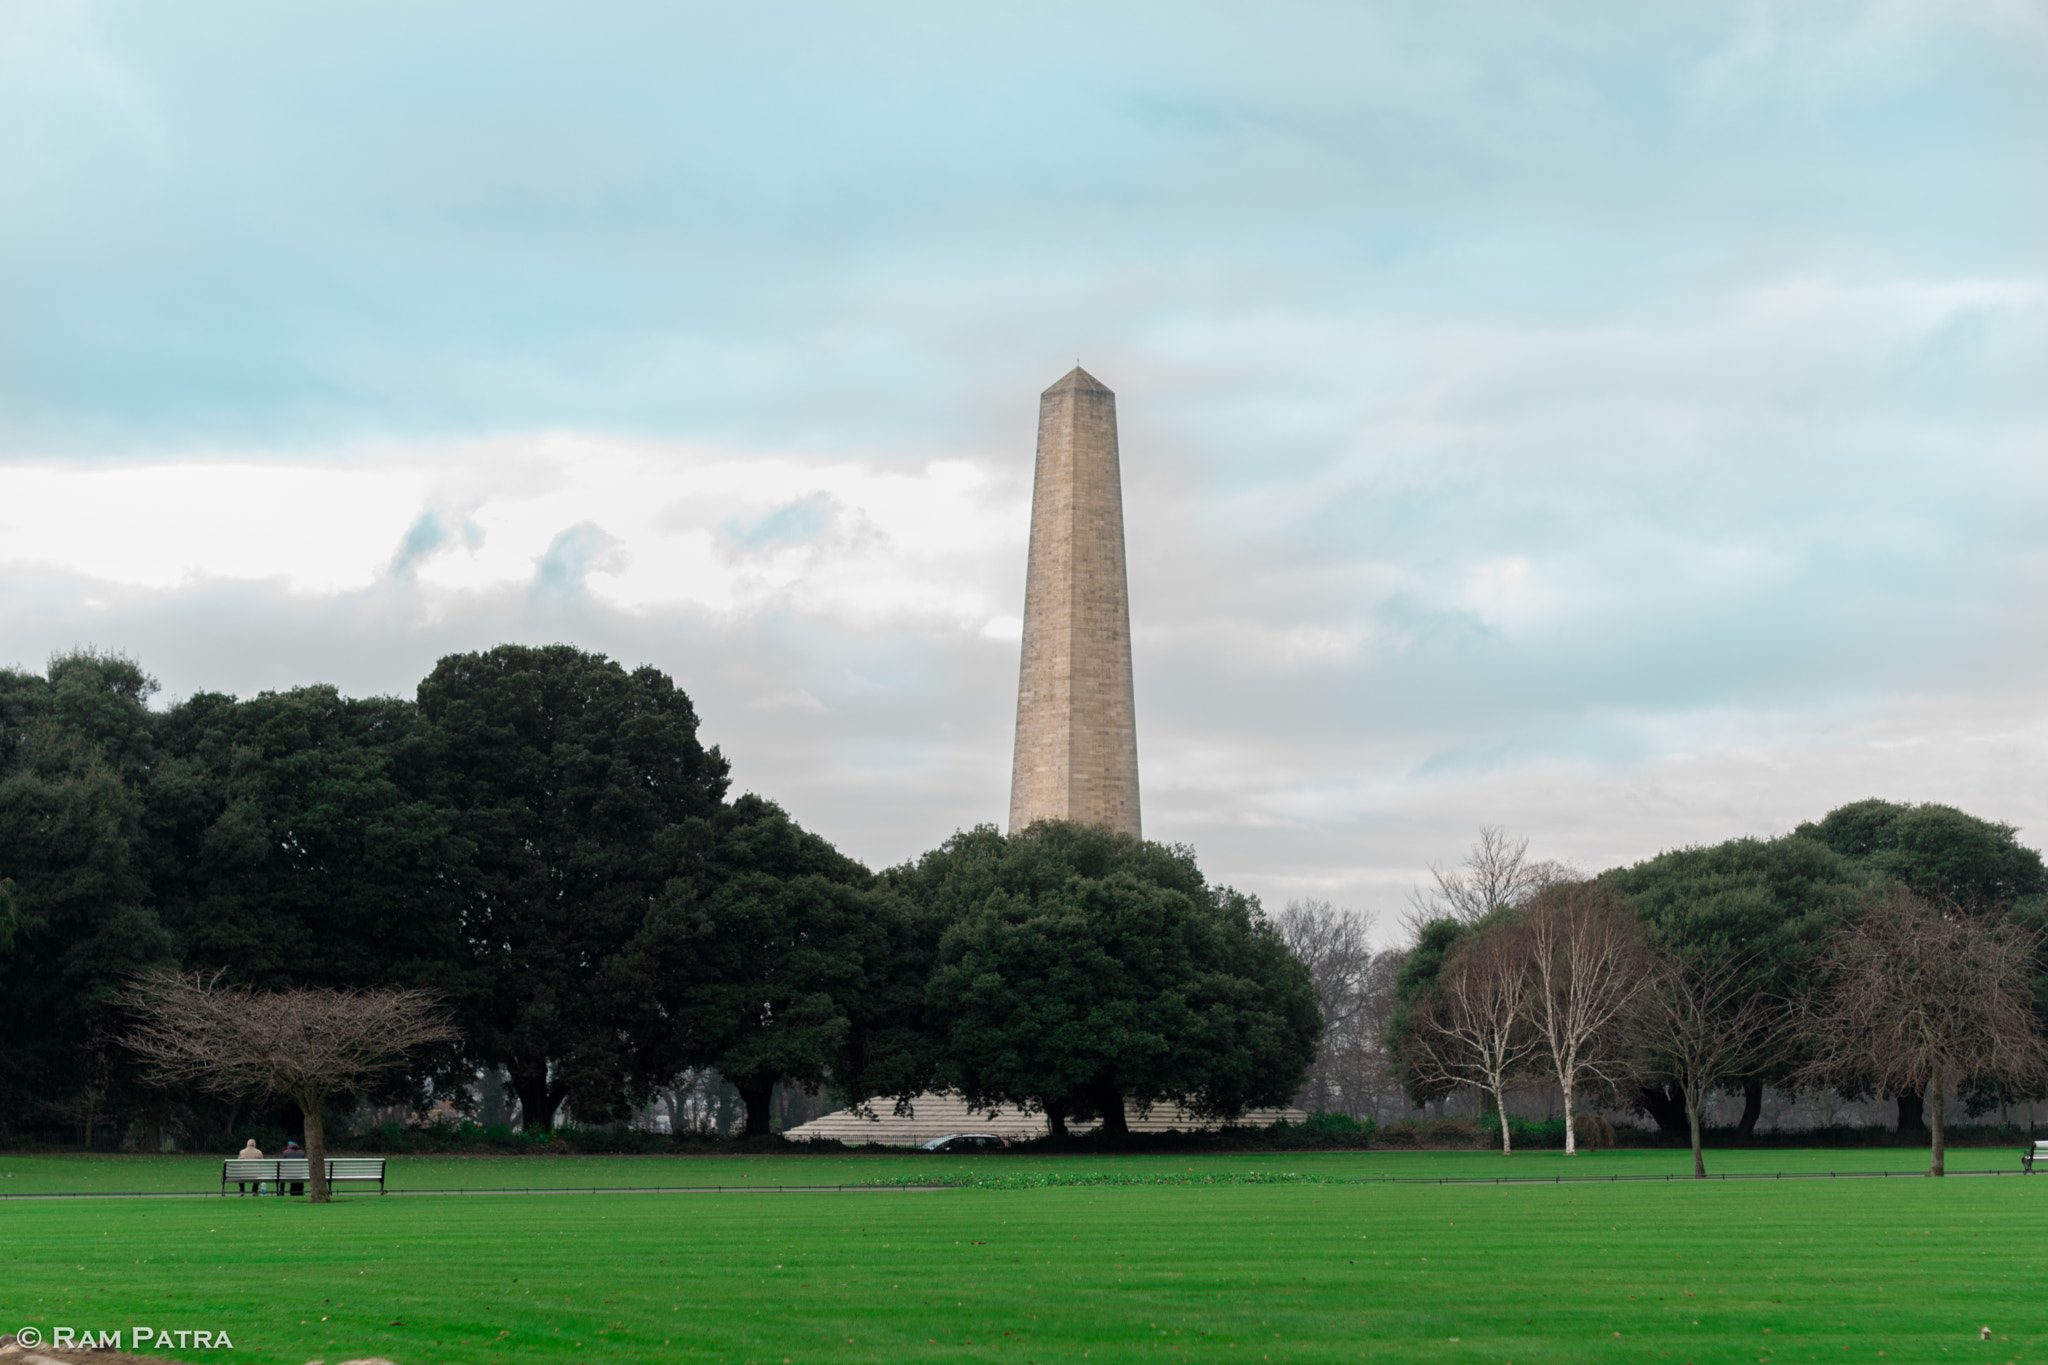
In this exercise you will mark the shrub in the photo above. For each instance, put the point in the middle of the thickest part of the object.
(1592, 1131)
(1541, 1134)
(1451, 1133)
(1317, 1132)
(1335, 1125)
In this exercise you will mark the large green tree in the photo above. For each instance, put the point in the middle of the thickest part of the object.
(293, 843)
(1955, 860)
(776, 963)
(581, 791)
(1759, 907)
(1937, 851)
(1086, 968)
(102, 698)
(74, 743)
(1415, 984)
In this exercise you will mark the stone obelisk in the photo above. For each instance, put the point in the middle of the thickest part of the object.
(1077, 728)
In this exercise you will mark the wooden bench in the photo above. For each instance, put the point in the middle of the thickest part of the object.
(277, 1172)
(2028, 1158)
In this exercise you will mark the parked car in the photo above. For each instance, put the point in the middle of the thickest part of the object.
(964, 1142)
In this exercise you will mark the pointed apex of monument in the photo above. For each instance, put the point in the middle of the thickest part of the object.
(1077, 380)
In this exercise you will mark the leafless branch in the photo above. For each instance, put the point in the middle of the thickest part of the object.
(1697, 1024)
(304, 1043)
(1336, 947)
(1498, 873)
(1588, 965)
(1475, 1028)
(1918, 996)
(1354, 989)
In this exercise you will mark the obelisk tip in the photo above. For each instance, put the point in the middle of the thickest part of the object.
(1077, 380)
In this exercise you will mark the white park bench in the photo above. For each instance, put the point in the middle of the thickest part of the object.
(2028, 1158)
(279, 1171)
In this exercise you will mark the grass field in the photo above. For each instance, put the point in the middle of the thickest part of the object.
(1867, 1270)
(20, 1175)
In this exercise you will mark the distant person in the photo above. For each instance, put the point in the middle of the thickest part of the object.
(250, 1152)
(293, 1152)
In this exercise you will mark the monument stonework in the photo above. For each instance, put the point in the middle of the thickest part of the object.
(1077, 729)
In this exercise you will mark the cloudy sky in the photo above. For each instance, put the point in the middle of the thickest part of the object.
(1624, 424)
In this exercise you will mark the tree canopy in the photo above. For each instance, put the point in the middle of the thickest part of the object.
(1415, 984)
(1918, 997)
(759, 966)
(295, 843)
(1765, 905)
(73, 744)
(1954, 860)
(1937, 851)
(579, 790)
(1086, 969)
(541, 838)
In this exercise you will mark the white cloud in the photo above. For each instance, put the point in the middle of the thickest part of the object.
(318, 530)
(639, 527)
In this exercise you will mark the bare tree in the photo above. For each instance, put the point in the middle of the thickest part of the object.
(1918, 997)
(1698, 1024)
(91, 1091)
(1587, 959)
(1475, 1029)
(304, 1044)
(1355, 1062)
(1498, 873)
(1336, 947)
(1354, 989)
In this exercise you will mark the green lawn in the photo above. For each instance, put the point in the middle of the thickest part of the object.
(1687, 1272)
(170, 1174)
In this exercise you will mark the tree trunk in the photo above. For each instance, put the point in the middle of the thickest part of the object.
(1056, 1118)
(1937, 1101)
(1693, 1105)
(316, 1150)
(1665, 1108)
(757, 1098)
(1910, 1111)
(536, 1101)
(1500, 1104)
(1109, 1102)
(1752, 1107)
(1571, 1139)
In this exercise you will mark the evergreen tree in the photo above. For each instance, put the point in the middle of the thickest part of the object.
(580, 792)
(74, 743)
(1961, 863)
(773, 965)
(1084, 969)
(294, 845)
(1759, 907)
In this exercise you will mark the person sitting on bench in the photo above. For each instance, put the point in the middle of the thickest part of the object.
(293, 1152)
(250, 1152)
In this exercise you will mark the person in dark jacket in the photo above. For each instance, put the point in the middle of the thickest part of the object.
(293, 1152)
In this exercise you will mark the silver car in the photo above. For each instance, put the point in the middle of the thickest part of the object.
(964, 1142)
